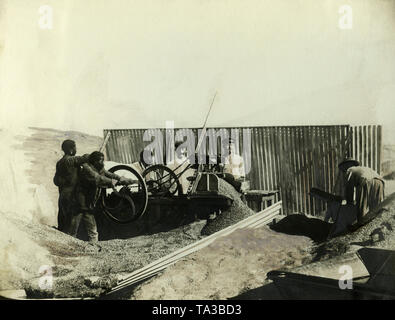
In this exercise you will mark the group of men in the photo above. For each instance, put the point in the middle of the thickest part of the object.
(80, 180)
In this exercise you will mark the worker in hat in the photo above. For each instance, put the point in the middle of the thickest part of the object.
(66, 179)
(93, 177)
(365, 183)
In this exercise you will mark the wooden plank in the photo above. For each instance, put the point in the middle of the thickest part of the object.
(268, 160)
(284, 177)
(288, 181)
(158, 265)
(379, 148)
(275, 153)
(133, 150)
(295, 168)
(369, 146)
(253, 177)
(304, 171)
(298, 178)
(139, 145)
(351, 142)
(261, 172)
(365, 147)
(307, 170)
(360, 142)
(279, 154)
(327, 159)
(323, 165)
(320, 163)
(125, 147)
(314, 131)
(114, 146)
(327, 154)
(329, 172)
(290, 165)
(342, 138)
(374, 148)
(280, 167)
(312, 165)
(356, 144)
(120, 146)
(103, 148)
(302, 201)
(273, 141)
(110, 148)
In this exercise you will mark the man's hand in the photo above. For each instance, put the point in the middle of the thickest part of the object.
(114, 183)
(125, 181)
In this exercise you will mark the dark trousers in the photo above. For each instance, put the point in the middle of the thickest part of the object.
(66, 206)
(89, 221)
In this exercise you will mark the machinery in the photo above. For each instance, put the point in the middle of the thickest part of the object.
(159, 185)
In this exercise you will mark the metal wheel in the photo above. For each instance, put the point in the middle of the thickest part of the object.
(127, 203)
(161, 181)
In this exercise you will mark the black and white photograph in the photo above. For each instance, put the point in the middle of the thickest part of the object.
(176, 151)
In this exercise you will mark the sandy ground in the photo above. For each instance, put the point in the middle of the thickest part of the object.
(228, 267)
(231, 266)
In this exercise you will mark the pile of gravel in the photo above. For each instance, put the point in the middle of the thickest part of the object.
(238, 210)
(227, 267)
(81, 269)
(377, 232)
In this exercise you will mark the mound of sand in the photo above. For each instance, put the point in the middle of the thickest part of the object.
(378, 232)
(237, 211)
(228, 267)
(74, 263)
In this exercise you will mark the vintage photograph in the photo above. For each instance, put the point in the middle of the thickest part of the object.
(183, 150)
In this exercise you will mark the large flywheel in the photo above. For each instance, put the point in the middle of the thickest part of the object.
(161, 181)
(125, 204)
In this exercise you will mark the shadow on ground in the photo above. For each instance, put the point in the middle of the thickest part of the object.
(265, 292)
(298, 224)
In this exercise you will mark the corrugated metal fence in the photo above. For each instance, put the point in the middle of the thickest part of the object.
(289, 159)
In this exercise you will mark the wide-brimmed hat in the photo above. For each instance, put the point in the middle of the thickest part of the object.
(351, 161)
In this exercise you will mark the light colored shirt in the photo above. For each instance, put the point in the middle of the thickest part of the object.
(234, 164)
(357, 176)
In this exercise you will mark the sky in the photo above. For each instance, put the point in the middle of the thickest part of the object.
(139, 63)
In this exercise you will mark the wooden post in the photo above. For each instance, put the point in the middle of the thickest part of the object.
(103, 146)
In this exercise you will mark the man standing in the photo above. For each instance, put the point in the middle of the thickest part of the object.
(66, 179)
(93, 177)
(368, 185)
(233, 169)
